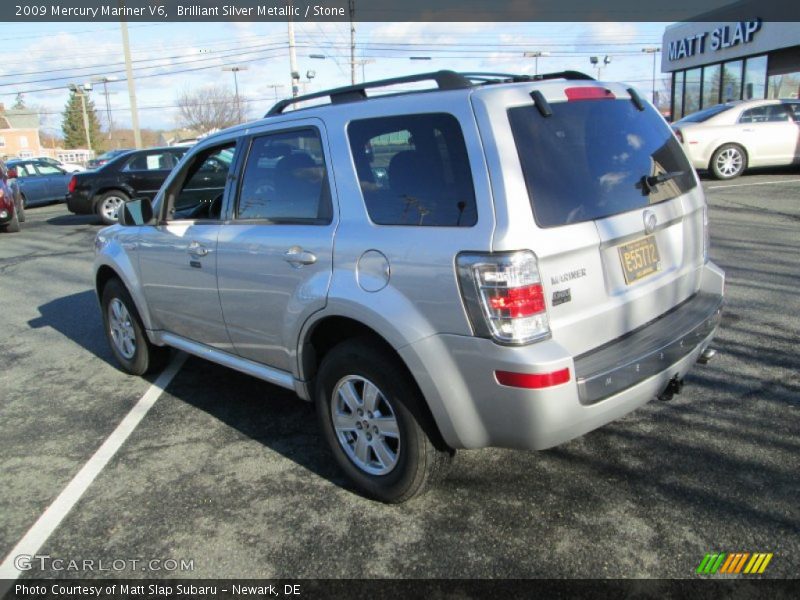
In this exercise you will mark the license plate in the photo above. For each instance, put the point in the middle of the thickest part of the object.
(639, 259)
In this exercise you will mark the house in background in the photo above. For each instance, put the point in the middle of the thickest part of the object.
(19, 133)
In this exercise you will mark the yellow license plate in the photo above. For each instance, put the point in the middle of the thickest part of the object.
(639, 259)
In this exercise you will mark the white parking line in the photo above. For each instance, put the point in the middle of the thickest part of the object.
(722, 187)
(37, 535)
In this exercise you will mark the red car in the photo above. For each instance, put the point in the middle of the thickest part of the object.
(11, 212)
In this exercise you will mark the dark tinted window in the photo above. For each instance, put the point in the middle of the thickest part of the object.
(201, 192)
(152, 161)
(705, 114)
(414, 170)
(766, 114)
(285, 179)
(588, 160)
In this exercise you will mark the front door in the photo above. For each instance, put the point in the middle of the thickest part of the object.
(178, 256)
(275, 255)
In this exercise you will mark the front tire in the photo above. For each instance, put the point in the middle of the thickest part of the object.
(109, 205)
(728, 161)
(373, 420)
(125, 332)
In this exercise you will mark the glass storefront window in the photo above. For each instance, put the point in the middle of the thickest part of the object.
(677, 96)
(755, 76)
(711, 79)
(691, 98)
(732, 81)
(784, 86)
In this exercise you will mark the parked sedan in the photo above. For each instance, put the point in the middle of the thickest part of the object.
(133, 174)
(39, 182)
(728, 138)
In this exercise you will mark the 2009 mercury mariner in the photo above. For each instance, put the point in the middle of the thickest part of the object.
(498, 260)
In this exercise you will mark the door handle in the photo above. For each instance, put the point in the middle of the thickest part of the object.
(748, 129)
(297, 257)
(197, 249)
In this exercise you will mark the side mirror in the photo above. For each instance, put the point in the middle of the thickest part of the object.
(12, 173)
(138, 211)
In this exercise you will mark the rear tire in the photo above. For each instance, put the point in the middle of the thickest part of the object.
(728, 161)
(109, 205)
(125, 332)
(21, 208)
(13, 225)
(373, 420)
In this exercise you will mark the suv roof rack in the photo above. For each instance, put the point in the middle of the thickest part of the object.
(445, 80)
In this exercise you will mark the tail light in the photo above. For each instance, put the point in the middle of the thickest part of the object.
(73, 183)
(706, 234)
(503, 296)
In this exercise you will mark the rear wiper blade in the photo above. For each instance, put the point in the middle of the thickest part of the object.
(650, 182)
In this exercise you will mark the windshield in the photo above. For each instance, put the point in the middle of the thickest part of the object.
(705, 114)
(596, 158)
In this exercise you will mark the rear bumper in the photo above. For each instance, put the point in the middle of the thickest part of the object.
(457, 376)
(649, 350)
(80, 204)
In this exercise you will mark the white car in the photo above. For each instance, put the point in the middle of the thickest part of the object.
(728, 138)
(68, 167)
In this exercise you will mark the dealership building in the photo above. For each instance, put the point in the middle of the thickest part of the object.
(712, 62)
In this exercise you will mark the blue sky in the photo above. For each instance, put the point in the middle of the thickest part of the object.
(171, 57)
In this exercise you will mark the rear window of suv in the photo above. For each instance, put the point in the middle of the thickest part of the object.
(590, 158)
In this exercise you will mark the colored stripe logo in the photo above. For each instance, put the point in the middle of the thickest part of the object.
(734, 563)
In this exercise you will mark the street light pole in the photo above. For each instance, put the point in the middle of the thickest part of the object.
(653, 50)
(236, 70)
(81, 91)
(535, 54)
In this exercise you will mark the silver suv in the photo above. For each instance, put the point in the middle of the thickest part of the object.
(496, 261)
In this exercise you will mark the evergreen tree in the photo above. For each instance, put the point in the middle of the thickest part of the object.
(19, 103)
(72, 123)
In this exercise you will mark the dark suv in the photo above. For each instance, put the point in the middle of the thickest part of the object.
(133, 174)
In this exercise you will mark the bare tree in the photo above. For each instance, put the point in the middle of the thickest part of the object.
(207, 109)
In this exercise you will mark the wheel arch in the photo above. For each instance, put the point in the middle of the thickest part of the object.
(329, 331)
(97, 194)
(105, 273)
(719, 145)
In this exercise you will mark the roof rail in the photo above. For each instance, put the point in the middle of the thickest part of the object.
(446, 80)
(484, 78)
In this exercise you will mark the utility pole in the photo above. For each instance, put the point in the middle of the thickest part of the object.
(352, 7)
(295, 74)
(137, 135)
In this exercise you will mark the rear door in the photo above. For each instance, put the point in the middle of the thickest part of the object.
(770, 133)
(617, 215)
(56, 180)
(31, 184)
(275, 254)
(146, 171)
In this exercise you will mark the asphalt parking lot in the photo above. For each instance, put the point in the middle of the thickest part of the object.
(231, 473)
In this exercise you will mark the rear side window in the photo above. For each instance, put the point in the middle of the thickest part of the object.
(772, 113)
(590, 159)
(414, 170)
(285, 180)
